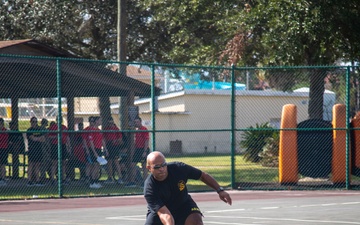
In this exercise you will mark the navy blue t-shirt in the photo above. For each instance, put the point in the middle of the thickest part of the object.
(171, 192)
(34, 145)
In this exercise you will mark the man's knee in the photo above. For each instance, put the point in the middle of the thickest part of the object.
(194, 219)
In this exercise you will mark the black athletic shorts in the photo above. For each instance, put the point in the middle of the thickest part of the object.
(35, 155)
(114, 151)
(3, 156)
(179, 215)
(54, 152)
(138, 155)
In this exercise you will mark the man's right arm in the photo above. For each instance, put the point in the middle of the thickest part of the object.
(165, 216)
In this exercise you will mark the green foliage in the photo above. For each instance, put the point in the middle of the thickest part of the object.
(83, 28)
(270, 153)
(254, 139)
(277, 32)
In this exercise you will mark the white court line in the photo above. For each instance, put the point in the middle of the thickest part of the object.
(127, 217)
(274, 207)
(137, 217)
(227, 223)
(283, 219)
(8, 221)
(350, 203)
(330, 204)
(225, 210)
(303, 206)
(285, 207)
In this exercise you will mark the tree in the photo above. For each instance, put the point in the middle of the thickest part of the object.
(288, 33)
(187, 31)
(84, 28)
(79, 28)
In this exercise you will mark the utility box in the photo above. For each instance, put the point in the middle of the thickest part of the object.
(176, 147)
(315, 148)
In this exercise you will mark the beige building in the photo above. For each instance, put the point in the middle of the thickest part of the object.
(200, 120)
(211, 110)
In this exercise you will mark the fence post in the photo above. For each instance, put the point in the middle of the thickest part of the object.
(59, 136)
(153, 108)
(348, 131)
(233, 127)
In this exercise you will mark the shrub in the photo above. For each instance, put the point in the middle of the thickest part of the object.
(254, 140)
(270, 153)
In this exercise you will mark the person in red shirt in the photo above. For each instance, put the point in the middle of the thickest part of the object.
(141, 150)
(93, 142)
(79, 153)
(113, 140)
(65, 150)
(4, 142)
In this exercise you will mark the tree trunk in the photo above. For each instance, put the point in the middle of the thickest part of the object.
(105, 112)
(316, 94)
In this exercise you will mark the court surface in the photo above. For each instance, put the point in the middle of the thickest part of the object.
(249, 207)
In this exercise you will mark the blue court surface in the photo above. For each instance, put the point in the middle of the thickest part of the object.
(249, 207)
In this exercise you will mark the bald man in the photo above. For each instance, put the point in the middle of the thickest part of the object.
(166, 193)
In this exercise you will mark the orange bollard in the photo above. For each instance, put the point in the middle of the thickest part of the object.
(339, 145)
(288, 160)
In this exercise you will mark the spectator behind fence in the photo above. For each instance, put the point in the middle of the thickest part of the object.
(79, 157)
(35, 138)
(93, 141)
(45, 147)
(4, 143)
(124, 157)
(65, 151)
(141, 151)
(113, 143)
(16, 147)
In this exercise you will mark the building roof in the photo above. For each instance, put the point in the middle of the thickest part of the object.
(24, 76)
(138, 72)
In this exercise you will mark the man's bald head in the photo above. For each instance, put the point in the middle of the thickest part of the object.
(157, 165)
(153, 157)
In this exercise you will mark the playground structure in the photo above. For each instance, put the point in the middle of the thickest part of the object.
(341, 162)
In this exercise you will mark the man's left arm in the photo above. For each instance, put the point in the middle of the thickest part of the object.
(211, 182)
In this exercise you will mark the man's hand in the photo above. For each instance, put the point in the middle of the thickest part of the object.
(166, 216)
(225, 197)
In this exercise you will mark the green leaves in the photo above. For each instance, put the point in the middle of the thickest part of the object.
(279, 32)
(254, 140)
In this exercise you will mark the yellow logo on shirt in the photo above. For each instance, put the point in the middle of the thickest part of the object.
(195, 209)
(181, 185)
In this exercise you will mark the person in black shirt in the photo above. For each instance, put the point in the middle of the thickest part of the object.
(35, 138)
(17, 147)
(166, 193)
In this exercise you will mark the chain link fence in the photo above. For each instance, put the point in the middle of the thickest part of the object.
(227, 121)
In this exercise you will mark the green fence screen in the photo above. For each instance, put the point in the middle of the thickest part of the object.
(223, 120)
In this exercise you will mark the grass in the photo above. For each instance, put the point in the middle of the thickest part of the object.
(219, 166)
